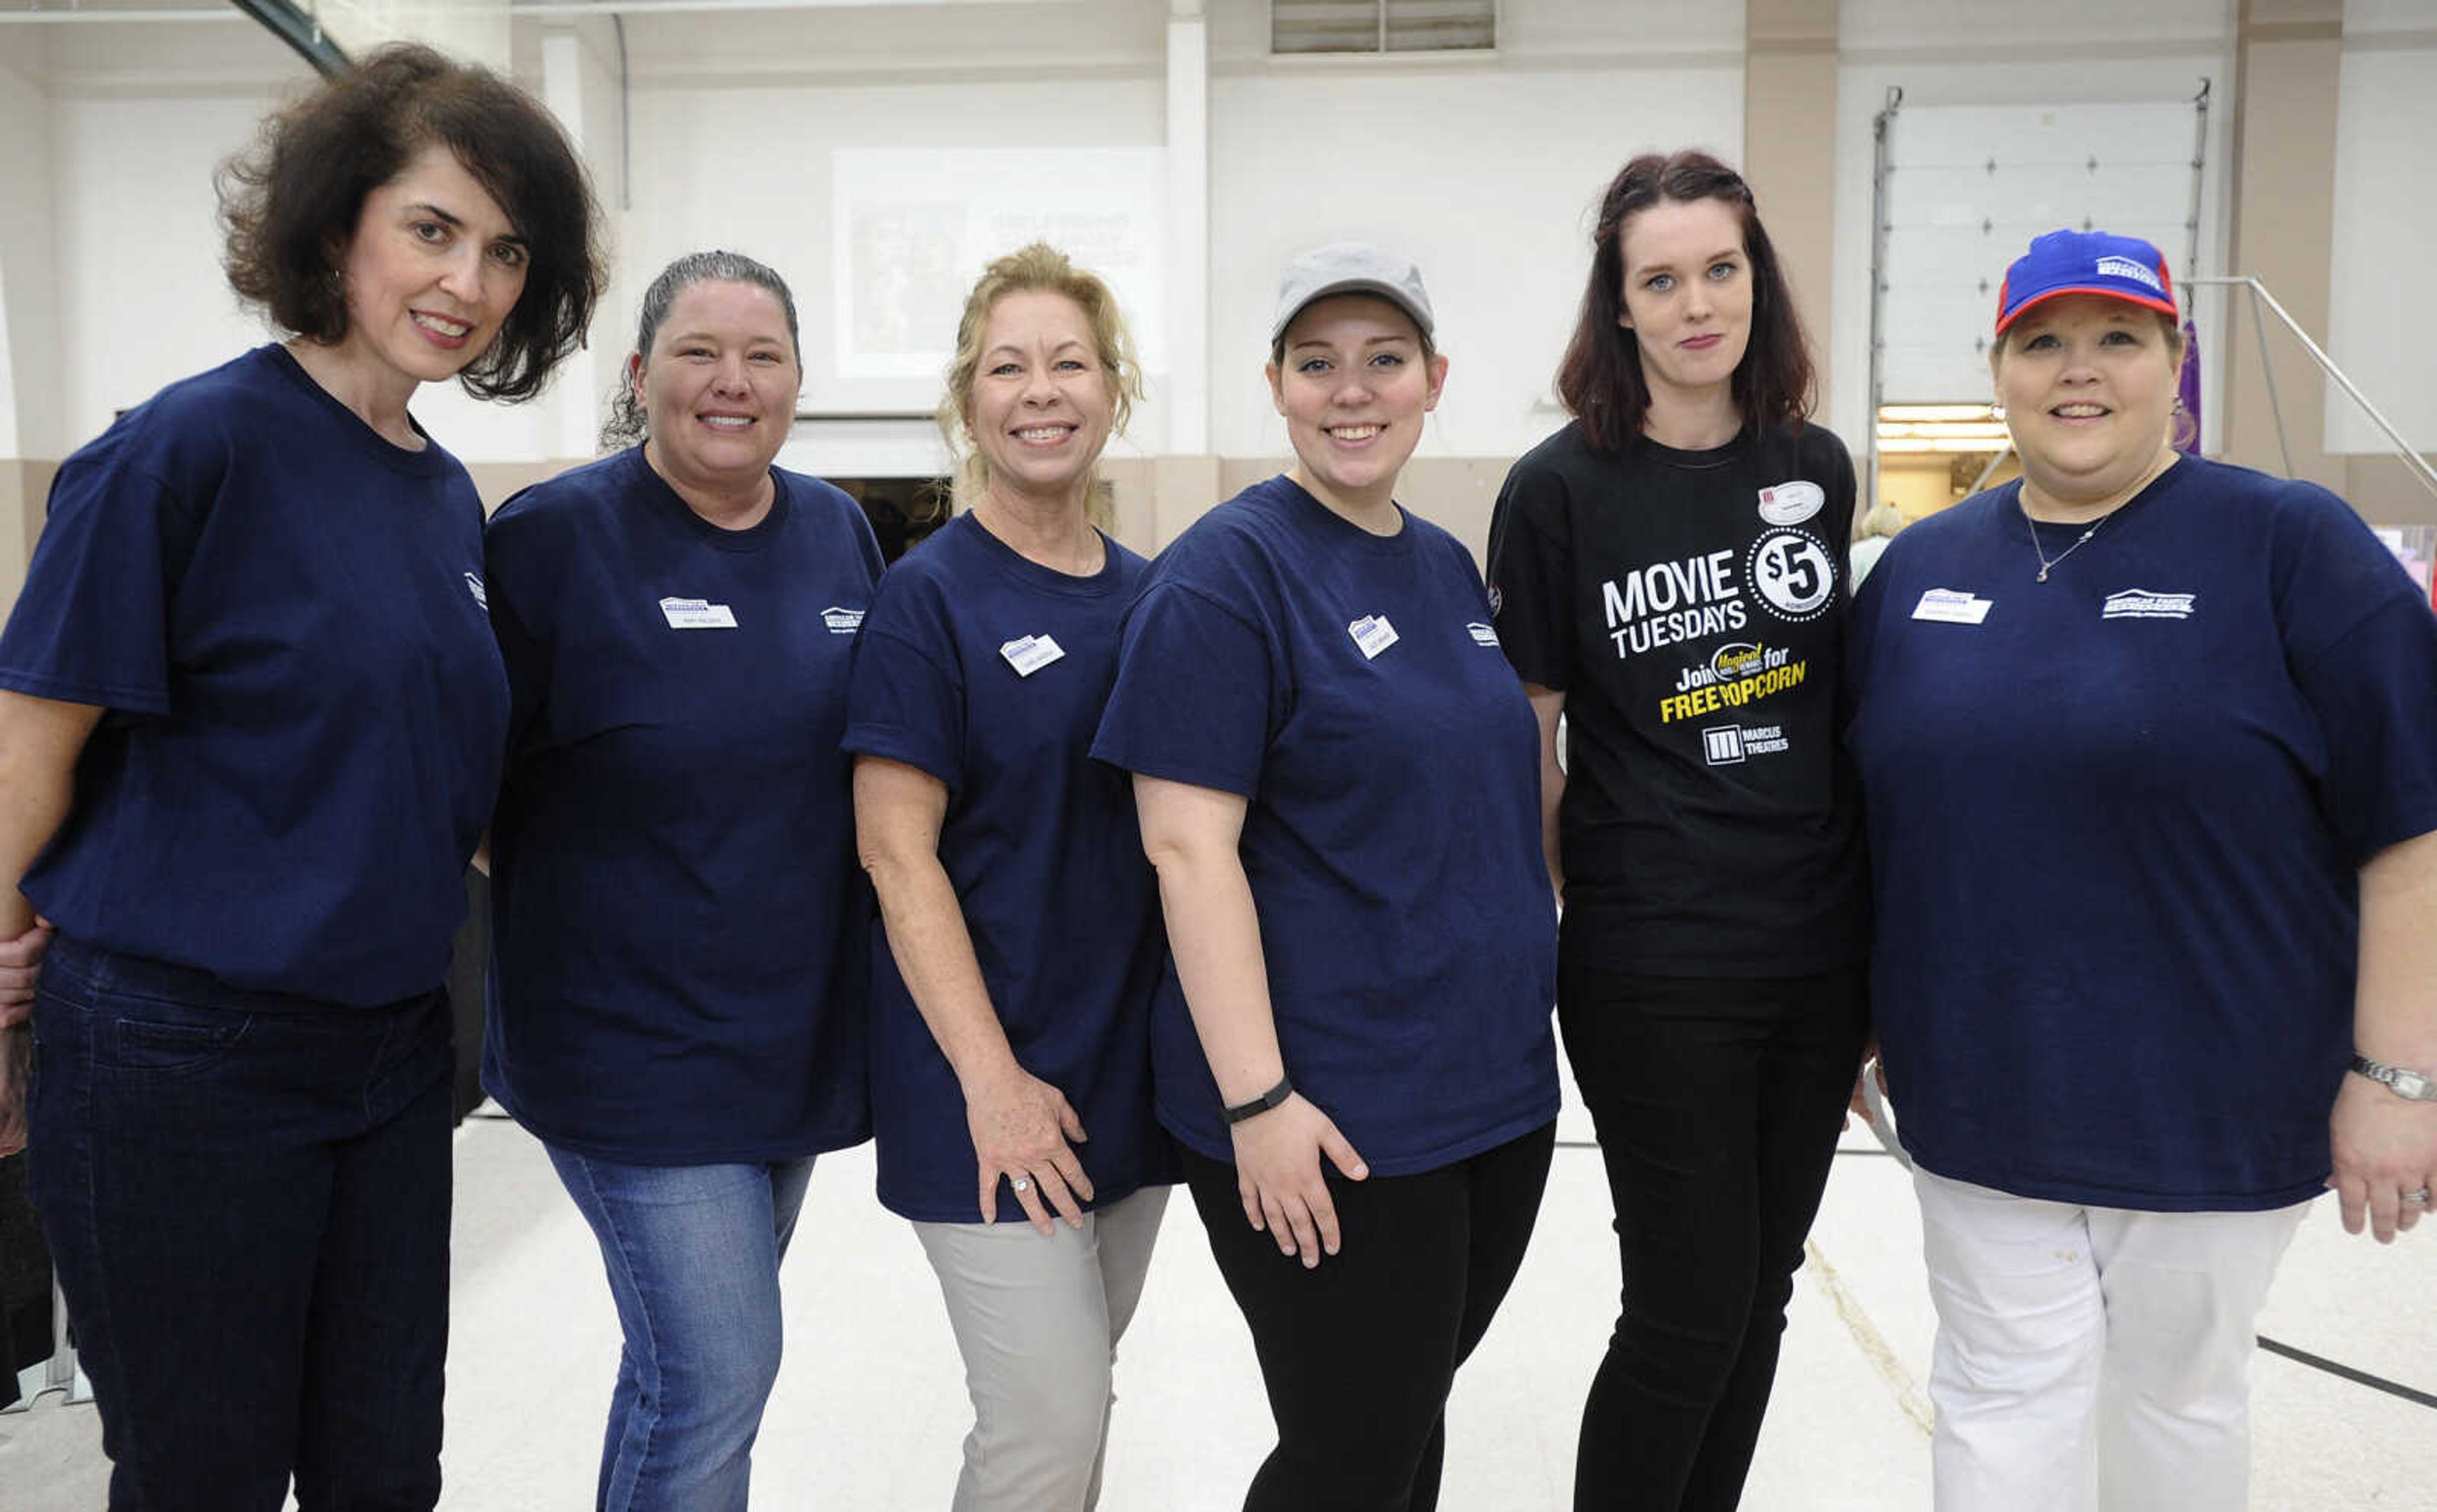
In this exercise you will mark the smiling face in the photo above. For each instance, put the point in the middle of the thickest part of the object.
(1353, 383)
(431, 271)
(1041, 403)
(719, 387)
(1688, 295)
(2089, 388)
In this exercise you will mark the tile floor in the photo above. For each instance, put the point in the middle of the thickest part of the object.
(870, 1408)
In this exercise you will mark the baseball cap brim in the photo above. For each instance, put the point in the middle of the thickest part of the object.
(2110, 291)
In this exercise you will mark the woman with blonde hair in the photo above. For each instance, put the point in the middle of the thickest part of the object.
(1020, 927)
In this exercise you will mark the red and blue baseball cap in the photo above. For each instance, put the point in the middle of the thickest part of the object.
(2085, 262)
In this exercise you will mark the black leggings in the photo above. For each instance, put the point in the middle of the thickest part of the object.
(1717, 1103)
(1359, 1355)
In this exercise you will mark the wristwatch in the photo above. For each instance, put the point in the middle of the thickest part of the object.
(2416, 1085)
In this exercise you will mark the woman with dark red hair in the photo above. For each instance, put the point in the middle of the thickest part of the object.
(1669, 571)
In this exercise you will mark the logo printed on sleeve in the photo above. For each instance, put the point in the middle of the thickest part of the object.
(1794, 573)
(1951, 606)
(1481, 634)
(1497, 601)
(842, 621)
(1031, 654)
(697, 613)
(2148, 603)
(1791, 503)
(474, 586)
(1371, 634)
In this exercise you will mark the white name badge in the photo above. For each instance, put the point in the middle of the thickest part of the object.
(1371, 634)
(1951, 606)
(697, 613)
(1031, 654)
(1481, 634)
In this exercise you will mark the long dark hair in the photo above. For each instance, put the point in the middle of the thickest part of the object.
(1599, 378)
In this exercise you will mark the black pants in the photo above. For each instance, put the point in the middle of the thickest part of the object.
(1359, 1355)
(1717, 1103)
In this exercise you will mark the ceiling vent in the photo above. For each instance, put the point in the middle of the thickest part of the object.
(1378, 27)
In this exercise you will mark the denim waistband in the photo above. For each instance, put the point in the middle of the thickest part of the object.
(107, 970)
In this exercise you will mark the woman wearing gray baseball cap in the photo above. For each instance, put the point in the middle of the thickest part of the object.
(1337, 781)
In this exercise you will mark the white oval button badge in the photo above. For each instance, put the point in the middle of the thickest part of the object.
(1791, 503)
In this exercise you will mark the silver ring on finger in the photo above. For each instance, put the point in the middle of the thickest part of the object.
(1019, 1183)
(2417, 1199)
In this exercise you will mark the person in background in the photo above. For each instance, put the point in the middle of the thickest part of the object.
(250, 733)
(2151, 767)
(1879, 527)
(678, 979)
(1338, 783)
(1011, 1056)
(1670, 574)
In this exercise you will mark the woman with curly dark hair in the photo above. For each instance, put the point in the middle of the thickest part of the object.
(252, 720)
(1669, 576)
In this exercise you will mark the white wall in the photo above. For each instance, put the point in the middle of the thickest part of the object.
(1487, 178)
(141, 118)
(29, 343)
(1486, 173)
(2382, 327)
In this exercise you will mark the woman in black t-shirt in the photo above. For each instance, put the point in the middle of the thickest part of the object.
(1669, 576)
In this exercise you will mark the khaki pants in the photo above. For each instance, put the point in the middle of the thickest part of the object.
(1037, 1322)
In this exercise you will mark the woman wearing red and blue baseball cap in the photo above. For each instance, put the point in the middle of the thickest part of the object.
(2151, 782)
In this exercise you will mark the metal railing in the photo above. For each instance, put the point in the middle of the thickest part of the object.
(2261, 299)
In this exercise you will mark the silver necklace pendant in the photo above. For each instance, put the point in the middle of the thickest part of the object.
(2048, 563)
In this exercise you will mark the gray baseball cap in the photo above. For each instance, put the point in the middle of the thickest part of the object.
(1350, 268)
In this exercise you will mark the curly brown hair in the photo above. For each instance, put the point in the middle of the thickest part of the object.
(290, 205)
(1599, 378)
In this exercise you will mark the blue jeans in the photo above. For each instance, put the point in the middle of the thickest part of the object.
(693, 1254)
(246, 1197)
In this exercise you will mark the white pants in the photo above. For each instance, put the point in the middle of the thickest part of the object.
(1037, 1322)
(2092, 1358)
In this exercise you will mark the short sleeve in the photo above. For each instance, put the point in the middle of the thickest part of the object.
(2371, 682)
(511, 596)
(1194, 700)
(1531, 573)
(904, 701)
(91, 624)
(1841, 488)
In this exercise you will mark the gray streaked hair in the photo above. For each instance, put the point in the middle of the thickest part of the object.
(627, 423)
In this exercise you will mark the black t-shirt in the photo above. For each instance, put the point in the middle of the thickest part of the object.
(1691, 605)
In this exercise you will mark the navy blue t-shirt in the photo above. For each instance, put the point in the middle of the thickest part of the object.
(1349, 686)
(283, 613)
(951, 676)
(679, 924)
(2117, 822)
